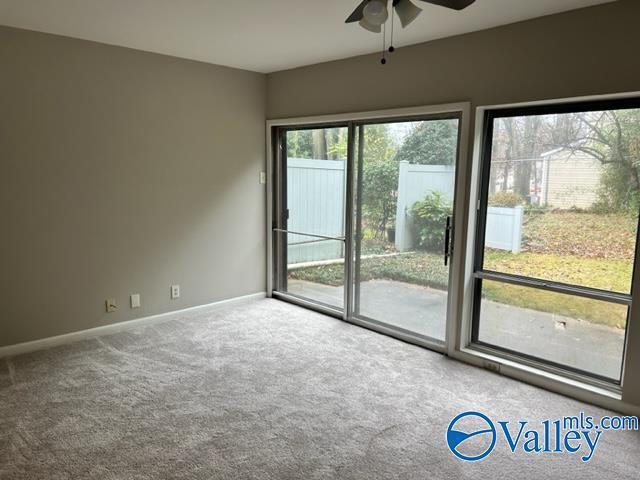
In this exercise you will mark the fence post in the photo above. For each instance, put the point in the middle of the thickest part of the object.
(402, 235)
(516, 239)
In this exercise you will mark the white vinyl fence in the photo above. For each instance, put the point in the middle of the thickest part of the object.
(504, 225)
(504, 228)
(315, 197)
(414, 183)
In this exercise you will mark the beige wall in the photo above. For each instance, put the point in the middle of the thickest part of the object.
(583, 52)
(123, 172)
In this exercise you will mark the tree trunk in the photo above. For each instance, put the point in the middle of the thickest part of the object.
(319, 144)
(527, 151)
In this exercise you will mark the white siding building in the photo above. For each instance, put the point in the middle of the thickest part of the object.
(569, 180)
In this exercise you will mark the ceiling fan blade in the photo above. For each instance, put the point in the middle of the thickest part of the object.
(358, 13)
(455, 4)
(407, 11)
(369, 26)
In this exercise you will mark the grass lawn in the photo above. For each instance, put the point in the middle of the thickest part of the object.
(606, 274)
(427, 269)
(418, 268)
(594, 311)
(610, 236)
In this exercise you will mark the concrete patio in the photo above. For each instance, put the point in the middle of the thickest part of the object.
(564, 340)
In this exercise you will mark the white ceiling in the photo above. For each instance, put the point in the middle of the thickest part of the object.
(259, 35)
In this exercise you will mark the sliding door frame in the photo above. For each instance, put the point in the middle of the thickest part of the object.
(354, 121)
(380, 325)
(277, 201)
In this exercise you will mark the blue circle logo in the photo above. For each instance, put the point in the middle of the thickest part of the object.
(471, 436)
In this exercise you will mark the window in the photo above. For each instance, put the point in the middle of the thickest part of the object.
(556, 235)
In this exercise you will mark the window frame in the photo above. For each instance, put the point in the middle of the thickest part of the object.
(477, 235)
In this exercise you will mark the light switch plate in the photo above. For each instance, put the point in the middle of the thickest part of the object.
(135, 300)
(263, 177)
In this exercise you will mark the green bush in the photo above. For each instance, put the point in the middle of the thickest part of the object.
(429, 220)
(530, 209)
(616, 193)
(379, 194)
(505, 199)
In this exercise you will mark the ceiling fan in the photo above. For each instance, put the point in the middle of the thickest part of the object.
(373, 14)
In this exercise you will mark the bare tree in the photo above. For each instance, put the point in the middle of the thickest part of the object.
(612, 137)
(518, 141)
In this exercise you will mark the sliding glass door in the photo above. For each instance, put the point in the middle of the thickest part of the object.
(405, 191)
(363, 221)
(309, 234)
(557, 230)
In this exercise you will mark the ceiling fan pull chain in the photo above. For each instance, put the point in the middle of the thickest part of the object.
(384, 35)
(391, 47)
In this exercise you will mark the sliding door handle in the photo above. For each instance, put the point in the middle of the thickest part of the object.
(447, 233)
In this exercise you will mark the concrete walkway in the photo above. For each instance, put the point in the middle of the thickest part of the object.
(567, 341)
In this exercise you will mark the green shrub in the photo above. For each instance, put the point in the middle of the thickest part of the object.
(616, 193)
(379, 194)
(505, 199)
(429, 220)
(530, 209)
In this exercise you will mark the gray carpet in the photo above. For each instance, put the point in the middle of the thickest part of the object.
(267, 390)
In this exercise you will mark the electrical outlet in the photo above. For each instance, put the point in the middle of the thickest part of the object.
(135, 300)
(492, 367)
(175, 291)
(111, 305)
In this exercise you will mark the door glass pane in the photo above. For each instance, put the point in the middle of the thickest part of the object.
(406, 177)
(315, 170)
(319, 280)
(577, 332)
(564, 196)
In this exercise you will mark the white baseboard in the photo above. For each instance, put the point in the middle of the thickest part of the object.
(49, 342)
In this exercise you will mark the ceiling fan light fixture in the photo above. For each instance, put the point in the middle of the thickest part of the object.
(407, 12)
(368, 26)
(375, 12)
